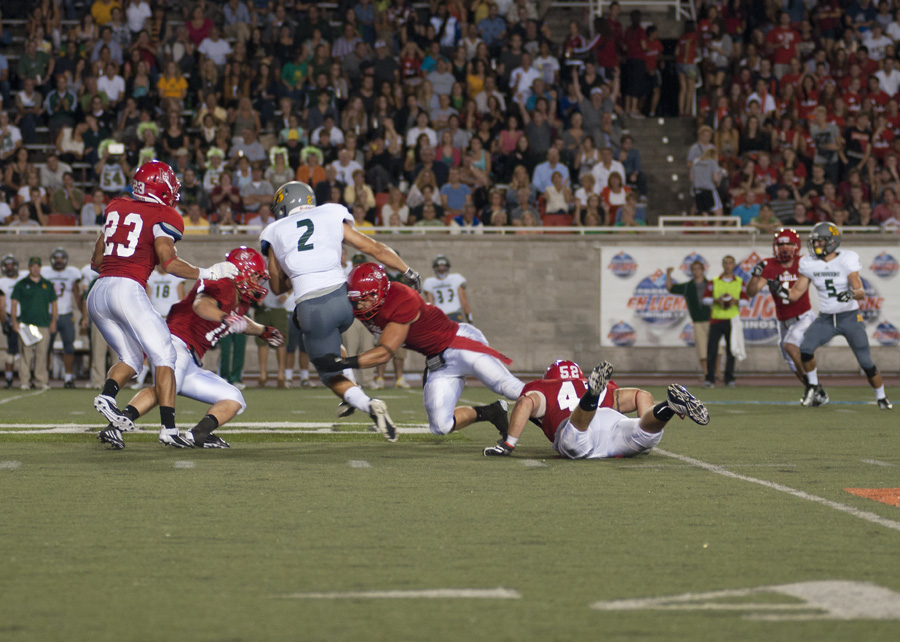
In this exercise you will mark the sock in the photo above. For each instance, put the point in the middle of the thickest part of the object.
(205, 426)
(512, 441)
(289, 374)
(348, 372)
(110, 388)
(662, 411)
(68, 376)
(812, 377)
(167, 417)
(479, 412)
(358, 399)
(879, 392)
(132, 412)
(589, 402)
(304, 375)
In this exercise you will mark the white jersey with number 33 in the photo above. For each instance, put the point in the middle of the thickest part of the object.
(445, 291)
(308, 247)
(831, 278)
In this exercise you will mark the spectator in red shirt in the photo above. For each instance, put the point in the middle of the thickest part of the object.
(635, 65)
(781, 44)
(686, 55)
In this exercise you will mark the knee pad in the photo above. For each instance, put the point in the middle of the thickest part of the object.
(441, 429)
(806, 357)
(871, 372)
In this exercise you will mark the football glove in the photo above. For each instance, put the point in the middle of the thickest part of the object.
(502, 449)
(223, 270)
(778, 290)
(236, 323)
(758, 269)
(272, 336)
(412, 279)
(334, 362)
(845, 296)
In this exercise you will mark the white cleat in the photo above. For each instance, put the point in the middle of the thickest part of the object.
(383, 420)
(107, 407)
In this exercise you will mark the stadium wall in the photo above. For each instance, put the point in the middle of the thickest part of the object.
(538, 297)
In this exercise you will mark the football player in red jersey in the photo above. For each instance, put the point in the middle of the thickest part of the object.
(453, 350)
(793, 318)
(211, 310)
(584, 419)
(137, 235)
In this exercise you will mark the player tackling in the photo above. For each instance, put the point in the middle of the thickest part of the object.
(137, 235)
(835, 276)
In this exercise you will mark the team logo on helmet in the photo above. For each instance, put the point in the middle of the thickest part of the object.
(884, 265)
(623, 265)
(887, 334)
(622, 335)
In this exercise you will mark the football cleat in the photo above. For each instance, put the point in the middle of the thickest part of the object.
(112, 436)
(173, 438)
(345, 410)
(306, 383)
(884, 404)
(209, 441)
(821, 397)
(496, 413)
(107, 407)
(599, 377)
(686, 405)
(69, 384)
(383, 420)
(808, 395)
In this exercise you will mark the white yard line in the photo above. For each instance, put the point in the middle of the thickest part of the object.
(533, 463)
(359, 463)
(844, 508)
(23, 396)
(875, 462)
(477, 594)
(184, 464)
(9, 465)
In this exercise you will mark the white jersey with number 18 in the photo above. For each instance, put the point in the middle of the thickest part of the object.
(308, 247)
(831, 278)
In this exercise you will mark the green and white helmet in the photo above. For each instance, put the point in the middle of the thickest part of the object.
(295, 196)
(824, 239)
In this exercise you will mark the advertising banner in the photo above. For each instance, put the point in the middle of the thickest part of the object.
(637, 310)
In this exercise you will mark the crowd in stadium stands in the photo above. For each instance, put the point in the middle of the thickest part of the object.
(798, 111)
(456, 112)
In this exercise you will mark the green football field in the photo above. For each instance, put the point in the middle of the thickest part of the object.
(314, 529)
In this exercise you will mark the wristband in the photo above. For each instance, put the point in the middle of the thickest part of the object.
(351, 362)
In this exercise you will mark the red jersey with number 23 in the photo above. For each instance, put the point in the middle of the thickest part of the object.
(198, 333)
(129, 230)
(773, 270)
(430, 333)
(561, 398)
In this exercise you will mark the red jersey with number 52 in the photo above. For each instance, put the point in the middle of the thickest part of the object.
(129, 231)
(198, 333)
(561, 398)
(788, 275)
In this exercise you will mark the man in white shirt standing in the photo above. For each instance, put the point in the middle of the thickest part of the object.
(889, 77)
(214, 48)
(66, 281)
(447, 290)
(522, 78)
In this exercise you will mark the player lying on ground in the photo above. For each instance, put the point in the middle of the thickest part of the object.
(303, 248)
(835, 276)
(578, 417)
(793, 317)
(453, 350)
(211, 310)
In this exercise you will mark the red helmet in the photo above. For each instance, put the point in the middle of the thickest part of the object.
(786, 244)
(365, 280)
(155, 182)
(251, 270)
(564, 369)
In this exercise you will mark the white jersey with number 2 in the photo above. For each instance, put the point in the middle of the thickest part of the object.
(308, 247)
(831, 278)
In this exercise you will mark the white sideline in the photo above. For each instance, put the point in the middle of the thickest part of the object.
(273, 427)
(844, 508)
(23, 396)
(478, 594)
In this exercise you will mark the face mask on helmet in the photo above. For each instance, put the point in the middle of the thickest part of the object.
(367, 287)
(564, 369)
(824, 239)
(441, 266)
(10, 267)
(251, 271)
(59, 259)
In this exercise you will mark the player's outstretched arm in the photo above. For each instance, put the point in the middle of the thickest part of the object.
(799, 288)
(756, 279)
(525, 408)
(857, 290)
(168, 258)
(206, 307)
(392, 338)
(382, 254)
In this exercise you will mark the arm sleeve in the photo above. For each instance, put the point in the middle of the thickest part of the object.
(679, 288)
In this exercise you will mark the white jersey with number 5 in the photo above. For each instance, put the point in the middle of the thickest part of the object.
(308, 247)
(163, 291)
(445, 291)
(831, 278)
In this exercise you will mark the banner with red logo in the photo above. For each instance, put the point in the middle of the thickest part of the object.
(637, 310)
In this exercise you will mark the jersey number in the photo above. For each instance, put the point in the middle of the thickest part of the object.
(112, 224)
(439, 295)
(829, 287)
(567, 397)
(162, 290)
(302, 245)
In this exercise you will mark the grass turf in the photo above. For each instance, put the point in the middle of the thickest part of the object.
(152, 543)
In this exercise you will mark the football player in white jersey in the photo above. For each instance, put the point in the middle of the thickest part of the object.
(9, 344)
(303, 248)
(66, 281)
(447, 290)
(835, 275)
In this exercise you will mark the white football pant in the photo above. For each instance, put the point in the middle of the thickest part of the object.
(610, 434)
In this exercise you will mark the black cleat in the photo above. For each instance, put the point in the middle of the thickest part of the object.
(496, 413)
(820, 398)
(599, 377)
(809, 395)
(107, 407)
(345, 410)
(884, 404)
(201, 440)
(69, 384)
(112, 436)
(173, 438)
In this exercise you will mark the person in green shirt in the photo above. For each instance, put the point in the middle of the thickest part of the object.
(692, 291)
(34, 304)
